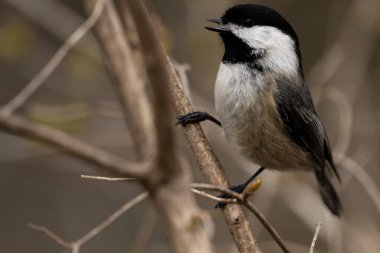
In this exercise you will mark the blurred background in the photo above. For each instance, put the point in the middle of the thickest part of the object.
(341, 59)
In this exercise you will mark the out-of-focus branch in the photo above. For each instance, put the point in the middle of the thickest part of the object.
(104, 224)
(48, 15)
(237, 220)
(44, 230)
(355, 26)
(53, 63)
(345, 121)
(75, 246)
(360, 174)
(145, 233)
(159, 79)
(167, 182)
(242, 198)
(30, 130)
(129, 79)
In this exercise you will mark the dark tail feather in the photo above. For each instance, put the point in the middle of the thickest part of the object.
(328, 193)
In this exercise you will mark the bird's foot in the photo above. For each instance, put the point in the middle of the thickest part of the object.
(196, 117)
(243, 189)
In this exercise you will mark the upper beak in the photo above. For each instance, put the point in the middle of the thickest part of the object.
(219, 28)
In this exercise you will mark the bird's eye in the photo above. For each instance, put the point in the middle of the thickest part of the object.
(248, 22)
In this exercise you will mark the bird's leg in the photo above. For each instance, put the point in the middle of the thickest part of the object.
(239, 188)
(196, 117)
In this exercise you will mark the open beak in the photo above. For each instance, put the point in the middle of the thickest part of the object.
(219, 28)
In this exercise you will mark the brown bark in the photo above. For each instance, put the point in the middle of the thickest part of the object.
(167, 181)
(236, 219)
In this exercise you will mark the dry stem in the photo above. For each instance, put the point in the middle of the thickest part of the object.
(108, 178)
(75, 246)
(242, 199)
(28, 129)
(317, 228)
(145, 233)
(128, 77)
(167, 182)
(207, 161)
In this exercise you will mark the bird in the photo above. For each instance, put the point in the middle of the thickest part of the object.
(263, 102)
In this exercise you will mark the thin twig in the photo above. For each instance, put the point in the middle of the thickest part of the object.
(318, 227)
(76, 245)
(210, 196)
(235, 196)
(50, 234)
(217, 188)
(241, 198)
(128, 77)
(111, 219)
(108, 178)
(272, 231)
(53, 63)
(201, 193)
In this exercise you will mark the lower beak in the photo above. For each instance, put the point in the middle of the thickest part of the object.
(219, 28)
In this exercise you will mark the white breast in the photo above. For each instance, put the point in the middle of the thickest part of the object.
(236, 85)
(236, 90)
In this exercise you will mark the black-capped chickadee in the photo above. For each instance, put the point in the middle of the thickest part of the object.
(262, 99)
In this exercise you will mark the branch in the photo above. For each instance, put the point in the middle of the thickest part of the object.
(207, 161)
(28, 129)
(77, 245)
(363, 178)
(154, 60)
(108, 178)
(53, 63)
(242, 199)
(210, 196)
(145, 232)
(44, 230)
(129, 79)
(111, 219)
(167, 182)
(318, 227)
(272, 231)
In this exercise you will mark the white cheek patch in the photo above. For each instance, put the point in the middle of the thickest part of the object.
(279, 47)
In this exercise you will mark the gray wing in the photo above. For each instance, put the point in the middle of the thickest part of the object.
(296, 109)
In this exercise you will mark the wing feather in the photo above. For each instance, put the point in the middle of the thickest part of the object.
(296, 109)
